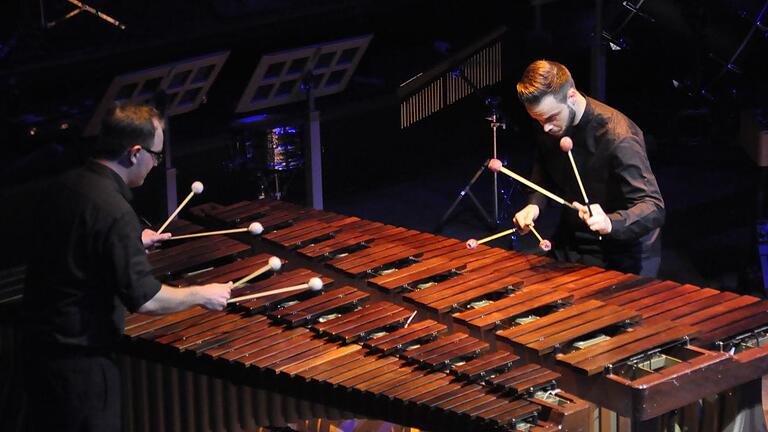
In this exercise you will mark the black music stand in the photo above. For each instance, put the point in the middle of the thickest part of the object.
(182, 86)
(305, 74)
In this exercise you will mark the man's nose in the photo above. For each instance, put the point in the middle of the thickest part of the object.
(548, 127)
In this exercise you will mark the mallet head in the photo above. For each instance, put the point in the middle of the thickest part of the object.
(275, 263)
(315, 284)
(494, 165)
(255, 228)
(197, 187)
(566, 144)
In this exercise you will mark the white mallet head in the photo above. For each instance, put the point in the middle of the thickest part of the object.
(197, 187)
(275, 263)
(566, 144)
(545, 245)
(471, 244)
(255, 228)
(315, 284)
(494, 165)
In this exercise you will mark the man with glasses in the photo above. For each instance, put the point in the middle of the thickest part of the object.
(88, 266)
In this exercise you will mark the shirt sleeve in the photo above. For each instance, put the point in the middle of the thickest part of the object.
(645, 206)
(133, 281)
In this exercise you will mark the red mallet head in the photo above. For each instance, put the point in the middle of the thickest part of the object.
(494, 165)
(471, 244)
(545, 245)
(566, 144)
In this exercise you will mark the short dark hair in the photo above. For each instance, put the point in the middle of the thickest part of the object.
(542, 78)
(123, 127)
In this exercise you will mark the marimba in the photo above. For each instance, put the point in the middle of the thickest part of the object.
(638, 346)
(353, 346)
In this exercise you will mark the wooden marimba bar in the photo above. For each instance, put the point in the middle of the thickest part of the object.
(638, 346)
(342, 343)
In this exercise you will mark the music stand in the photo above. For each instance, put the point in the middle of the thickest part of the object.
(302, 74)
(183, 84)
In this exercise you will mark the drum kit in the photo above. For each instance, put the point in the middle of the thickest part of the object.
(272, 155)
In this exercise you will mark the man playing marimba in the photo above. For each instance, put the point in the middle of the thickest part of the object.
(622, 230)
(90, 265)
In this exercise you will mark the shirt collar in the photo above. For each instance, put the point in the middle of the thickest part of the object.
(108, 173)
(589, 112)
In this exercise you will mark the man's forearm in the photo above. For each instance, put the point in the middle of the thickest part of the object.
(170, 299)
(636, 222)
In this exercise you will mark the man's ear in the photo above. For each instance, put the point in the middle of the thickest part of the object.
(571, 96)
(133, 154)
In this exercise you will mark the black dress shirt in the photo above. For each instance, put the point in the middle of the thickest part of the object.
(87, 263)
(609, 151)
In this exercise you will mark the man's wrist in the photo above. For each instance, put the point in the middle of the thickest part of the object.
(195, 294)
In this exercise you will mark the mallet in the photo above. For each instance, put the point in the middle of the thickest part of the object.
(254, 228)
(544, 245)
(472, 243)
(197, 189)
(496, 166)
(314, 284)
(274, 264)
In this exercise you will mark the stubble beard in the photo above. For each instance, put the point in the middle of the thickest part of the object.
(569, 124)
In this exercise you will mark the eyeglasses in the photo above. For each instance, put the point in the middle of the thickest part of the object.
(157, 156)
